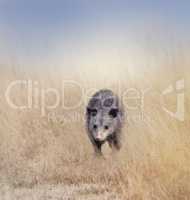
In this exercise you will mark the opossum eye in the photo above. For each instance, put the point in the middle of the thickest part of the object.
(95, 126)
(92, 112)
(113, 112)
(106, 127)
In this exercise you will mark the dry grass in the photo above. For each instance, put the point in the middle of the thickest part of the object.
(153, 163)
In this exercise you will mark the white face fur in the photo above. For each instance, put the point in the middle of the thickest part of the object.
(102, 125)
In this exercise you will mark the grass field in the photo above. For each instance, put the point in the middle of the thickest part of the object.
(45, 153)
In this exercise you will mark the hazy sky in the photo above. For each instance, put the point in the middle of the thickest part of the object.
(41, 29)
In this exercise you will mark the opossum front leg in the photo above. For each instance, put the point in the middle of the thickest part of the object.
(117, 144)
(114, 143)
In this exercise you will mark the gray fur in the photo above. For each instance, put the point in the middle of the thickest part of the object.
(104, 116)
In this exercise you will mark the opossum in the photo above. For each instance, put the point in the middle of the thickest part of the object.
(104, 120)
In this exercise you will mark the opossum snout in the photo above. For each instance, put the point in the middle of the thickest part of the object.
(101, 134)
(98, 136)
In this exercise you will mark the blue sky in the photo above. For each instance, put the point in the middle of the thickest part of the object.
(24, 16)
(36, 27)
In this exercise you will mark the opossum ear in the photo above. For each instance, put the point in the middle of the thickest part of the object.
(113, 112)
(91, 111)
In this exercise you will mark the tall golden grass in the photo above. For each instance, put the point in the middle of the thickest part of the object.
(155, 157)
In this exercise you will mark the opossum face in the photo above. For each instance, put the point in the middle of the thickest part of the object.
(103, 123)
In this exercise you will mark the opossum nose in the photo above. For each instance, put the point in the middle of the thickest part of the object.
(98, 136)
